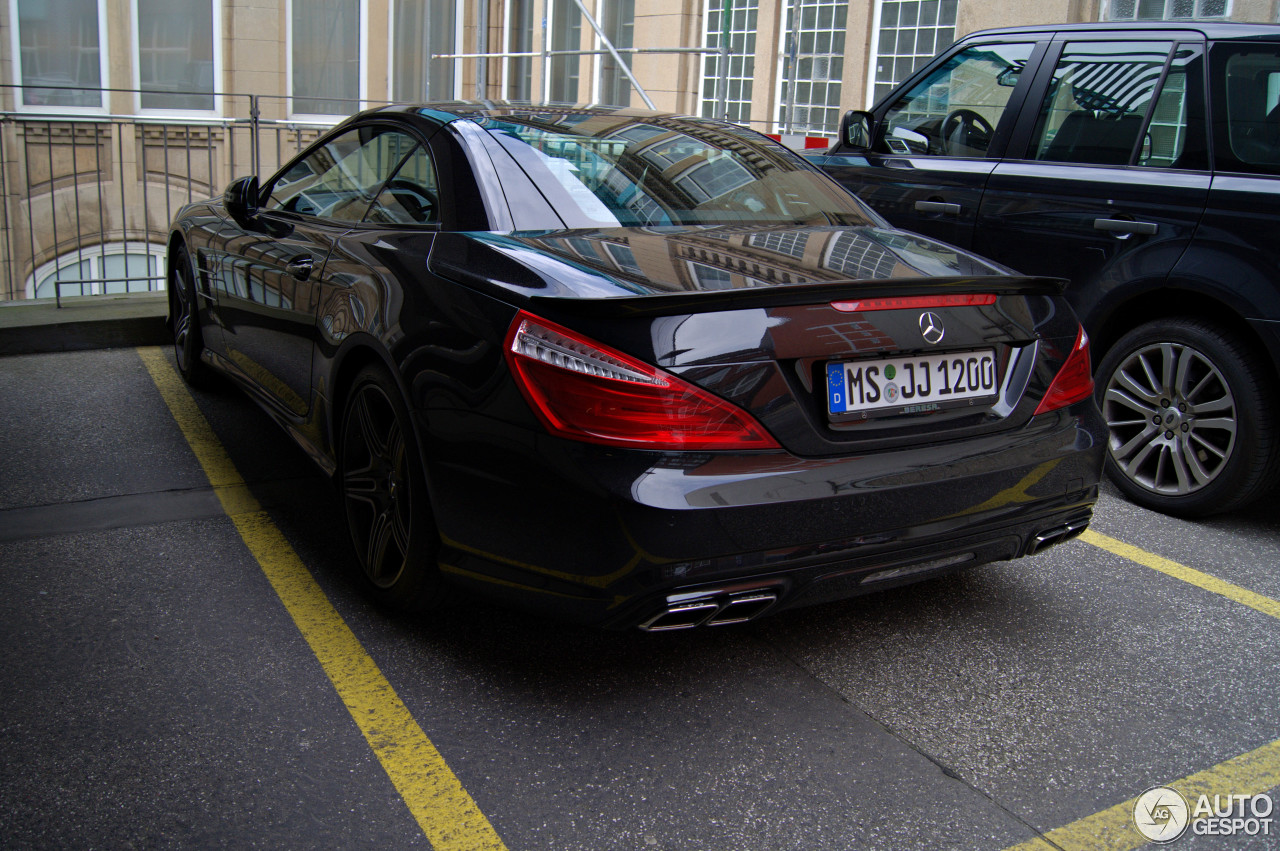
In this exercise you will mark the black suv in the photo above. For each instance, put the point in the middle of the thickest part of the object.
(1142, 163)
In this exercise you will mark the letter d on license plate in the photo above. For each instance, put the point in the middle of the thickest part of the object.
(876, 384)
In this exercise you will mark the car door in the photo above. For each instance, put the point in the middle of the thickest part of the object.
(273, 270)
(1107, 173)
(937, 142)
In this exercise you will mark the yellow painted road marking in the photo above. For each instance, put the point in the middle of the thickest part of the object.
(1249, 774)
(1113, 829)
(443, 809)
(1266, 605)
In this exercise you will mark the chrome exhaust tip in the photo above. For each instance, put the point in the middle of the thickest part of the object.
(711, 608)
(680, 616)
(1056, 535)
(743, 608)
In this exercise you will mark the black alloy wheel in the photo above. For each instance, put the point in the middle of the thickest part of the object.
(188, 339)
(1192, 418)
(385, 495)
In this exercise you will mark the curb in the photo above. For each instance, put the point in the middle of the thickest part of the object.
(81, 324)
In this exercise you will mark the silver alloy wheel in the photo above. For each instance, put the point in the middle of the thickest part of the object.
(1172, 417)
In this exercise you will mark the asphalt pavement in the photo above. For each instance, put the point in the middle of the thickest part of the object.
(156, 692)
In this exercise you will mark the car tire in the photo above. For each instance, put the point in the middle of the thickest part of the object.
(188, 337)
(384, 495)
(1192, 418)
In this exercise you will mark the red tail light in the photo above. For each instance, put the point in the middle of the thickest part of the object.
(585, 391)
(1074, 381)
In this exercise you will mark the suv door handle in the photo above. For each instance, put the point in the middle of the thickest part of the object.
(1126, 227)
(938, 207)
(300, 267)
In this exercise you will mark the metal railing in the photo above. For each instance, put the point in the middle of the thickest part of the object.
(86, 197)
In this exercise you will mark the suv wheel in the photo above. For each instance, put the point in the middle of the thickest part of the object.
(1192, 418)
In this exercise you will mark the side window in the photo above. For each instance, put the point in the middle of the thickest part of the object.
(955, 110)
(1247, 89)
(411, 196)
(339, 179)
(1098, 101)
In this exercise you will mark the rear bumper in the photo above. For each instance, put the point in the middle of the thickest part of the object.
(615, 538)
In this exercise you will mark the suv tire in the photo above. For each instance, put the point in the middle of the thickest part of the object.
(1192, 418)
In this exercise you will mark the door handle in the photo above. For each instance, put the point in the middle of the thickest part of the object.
(300, 267)
(938, 207)
(1125, 227)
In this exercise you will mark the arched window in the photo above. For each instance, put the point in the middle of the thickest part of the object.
(119, 267)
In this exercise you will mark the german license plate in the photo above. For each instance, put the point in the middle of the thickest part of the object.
(873, 385)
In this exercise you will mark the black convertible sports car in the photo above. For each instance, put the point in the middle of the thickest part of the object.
(633, 369)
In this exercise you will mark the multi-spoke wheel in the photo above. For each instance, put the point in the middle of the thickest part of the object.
(385, 495)
(1192, 418)
(188, 339)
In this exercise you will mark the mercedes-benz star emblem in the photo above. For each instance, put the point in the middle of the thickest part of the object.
(931, 328)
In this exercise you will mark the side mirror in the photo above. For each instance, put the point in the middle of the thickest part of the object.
(856, 129)
(241, 199)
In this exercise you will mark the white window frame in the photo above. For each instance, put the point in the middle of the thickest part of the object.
(874, 51)
(95, 255)
(391, 53)
(363, 94)
(1225, 16)
(217, 69)
(777, 120)
(704, 82)
(104, 40)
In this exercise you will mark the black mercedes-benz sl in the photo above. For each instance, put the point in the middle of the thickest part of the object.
(632, 369)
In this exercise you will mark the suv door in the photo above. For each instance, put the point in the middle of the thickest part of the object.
(938, 141)
(1106, 176)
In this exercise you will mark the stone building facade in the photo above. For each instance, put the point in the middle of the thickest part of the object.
(115, 112)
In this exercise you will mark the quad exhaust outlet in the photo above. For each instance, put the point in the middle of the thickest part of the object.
(711, 608)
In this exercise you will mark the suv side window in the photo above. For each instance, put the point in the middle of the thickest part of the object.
(1247, 90)
(955, 110)
(1098, 100)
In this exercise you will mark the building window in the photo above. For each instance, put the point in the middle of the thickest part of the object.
(120, 267)
(325, 56)
(421, 29)
(177, 68)
(812, 57)
(619, 19)
(519, 80)
(741, 35)
(1167, 10)
(61, 55)
(910, 33)
(566, 34)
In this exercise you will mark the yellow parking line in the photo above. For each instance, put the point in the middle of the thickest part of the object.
(443, 809)
(1113, 829)
(1249, 774)
(1266, 605)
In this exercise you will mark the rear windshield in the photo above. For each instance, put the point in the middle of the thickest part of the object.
(613, 170)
